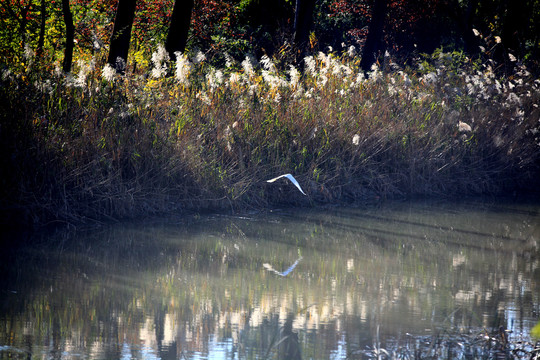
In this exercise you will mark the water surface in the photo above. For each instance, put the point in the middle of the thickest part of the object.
(297, 284)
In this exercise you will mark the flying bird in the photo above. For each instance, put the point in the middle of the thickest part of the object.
(291, 178)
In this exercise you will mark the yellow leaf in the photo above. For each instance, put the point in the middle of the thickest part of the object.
(535, 331)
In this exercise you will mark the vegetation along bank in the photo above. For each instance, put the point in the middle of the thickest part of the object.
(204, 130)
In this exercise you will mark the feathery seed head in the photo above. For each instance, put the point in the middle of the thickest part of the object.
(248, 67)
(294, 76)
(464, 127)
(311, 65)
(183, 68)
(160, 58)
(108, 73)
(198, 58)
(268, 64)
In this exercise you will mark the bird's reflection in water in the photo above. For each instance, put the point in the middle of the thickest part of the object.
(284, 273)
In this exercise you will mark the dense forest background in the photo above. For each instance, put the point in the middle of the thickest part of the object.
(58, 30)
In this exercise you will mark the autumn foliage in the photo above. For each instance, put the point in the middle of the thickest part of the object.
(259, 27)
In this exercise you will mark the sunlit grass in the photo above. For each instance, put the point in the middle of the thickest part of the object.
(186, 134)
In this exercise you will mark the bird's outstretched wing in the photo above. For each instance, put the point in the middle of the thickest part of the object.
(291, 178)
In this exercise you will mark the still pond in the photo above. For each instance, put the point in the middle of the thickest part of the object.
(332, 283)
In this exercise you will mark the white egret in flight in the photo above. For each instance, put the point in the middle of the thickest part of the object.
(291, 178)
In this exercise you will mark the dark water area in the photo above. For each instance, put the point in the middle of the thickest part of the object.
(332, 283)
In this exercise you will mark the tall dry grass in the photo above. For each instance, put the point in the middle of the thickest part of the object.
(186, 135)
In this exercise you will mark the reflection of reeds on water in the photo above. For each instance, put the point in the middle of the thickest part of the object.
(205, 282)
(448, 345)
(285, 342)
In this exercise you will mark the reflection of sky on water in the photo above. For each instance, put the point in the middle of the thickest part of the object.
(145, 352)
(219, 350)
(341, 351)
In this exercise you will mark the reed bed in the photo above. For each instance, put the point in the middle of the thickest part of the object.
(453, 344)
(189, 135)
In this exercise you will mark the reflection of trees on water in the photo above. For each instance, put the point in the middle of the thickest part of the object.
(187, 294)
(289, 348)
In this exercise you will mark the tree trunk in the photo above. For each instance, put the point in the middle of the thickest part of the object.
(469, 40)
(121, 36)
(41, 40)
(374, 40)
(515, 23)
(70, 35)
(303, 19)
(24, 20)
(179, 27)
